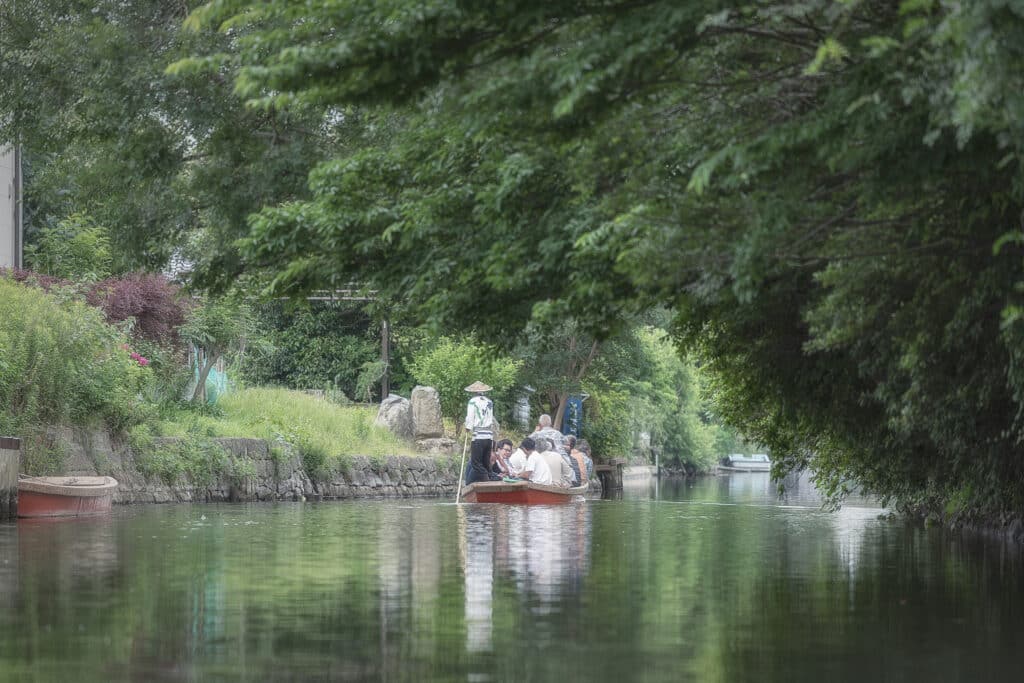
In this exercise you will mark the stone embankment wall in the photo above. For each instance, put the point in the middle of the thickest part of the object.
(273, 478)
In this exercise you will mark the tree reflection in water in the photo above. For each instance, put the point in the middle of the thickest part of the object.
(713, 580)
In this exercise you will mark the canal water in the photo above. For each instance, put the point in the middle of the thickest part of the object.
(713, 580)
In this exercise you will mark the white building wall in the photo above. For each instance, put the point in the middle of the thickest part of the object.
(10, 209)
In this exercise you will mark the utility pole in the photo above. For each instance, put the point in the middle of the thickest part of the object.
(11, 211)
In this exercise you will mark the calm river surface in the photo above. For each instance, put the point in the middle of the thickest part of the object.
(715, 580)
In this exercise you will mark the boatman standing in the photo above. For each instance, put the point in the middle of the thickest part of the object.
(480, 422)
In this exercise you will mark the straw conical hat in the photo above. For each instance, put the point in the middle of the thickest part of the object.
(477, 387)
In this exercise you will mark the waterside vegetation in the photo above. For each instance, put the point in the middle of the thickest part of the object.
(820, 199)
(63, 365)
(826, 195)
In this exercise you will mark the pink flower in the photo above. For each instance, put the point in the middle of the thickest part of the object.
(125, 347)
(135, 356)
(143, 361)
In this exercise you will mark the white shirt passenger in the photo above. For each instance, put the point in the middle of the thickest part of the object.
(539, 466)
(555, 465)
(517, 461)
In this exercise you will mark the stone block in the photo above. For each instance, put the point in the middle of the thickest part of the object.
(439, 446)
(426, 413)
(395, 413)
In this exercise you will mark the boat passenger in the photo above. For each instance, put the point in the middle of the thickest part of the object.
(517, 462)
(569, 476)
(546, 431)
(536, 468)
(581, 464)
(499, 458)
(583, 447)
(577, 466)
(480, 422)
(561, 472)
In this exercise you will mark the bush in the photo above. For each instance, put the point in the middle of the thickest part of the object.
(75, 248)
(153, 306)
(170, 374)
(195, 457)
(156, 306)
(450, 366)
(324, 345)
(61, 364)
(607, 427)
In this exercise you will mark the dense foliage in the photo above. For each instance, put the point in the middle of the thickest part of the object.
(450, 365)
(61, 364)
(165, 164)
(644, 399)
(815, 188)
(74, 249)
(156, 307)
(148, 306)
(323, 345)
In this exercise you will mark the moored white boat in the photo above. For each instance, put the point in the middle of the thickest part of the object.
(737, 462)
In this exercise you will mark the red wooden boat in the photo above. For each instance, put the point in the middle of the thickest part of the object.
(65, 496)
(521, 492)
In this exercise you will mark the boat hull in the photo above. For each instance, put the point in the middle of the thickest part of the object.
(31, 504)
(759, 467)
(737, 462)
(65, 496)
(520, 493)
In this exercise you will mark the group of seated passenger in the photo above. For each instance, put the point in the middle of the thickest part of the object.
(543, 461)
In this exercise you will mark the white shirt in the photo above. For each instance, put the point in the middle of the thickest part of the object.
(539, 466)
(556, 465)
(517, 461)
(480, 417)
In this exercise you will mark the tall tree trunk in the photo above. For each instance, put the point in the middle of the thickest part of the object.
(200, 392)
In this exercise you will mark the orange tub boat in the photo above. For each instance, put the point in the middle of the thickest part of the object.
(520, 492)
(65, 496)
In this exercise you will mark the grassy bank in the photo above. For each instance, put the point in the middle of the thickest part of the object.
(324, 433)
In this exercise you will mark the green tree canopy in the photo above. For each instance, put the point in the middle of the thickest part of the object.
(167, 164)
(815, 189)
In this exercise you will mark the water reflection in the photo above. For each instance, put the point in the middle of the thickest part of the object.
(743, 487)
(476, 541)
(89, 548)
(716, 580)
(544, 551)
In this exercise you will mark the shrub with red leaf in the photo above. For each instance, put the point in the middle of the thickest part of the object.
(158, 305)
(43, 282)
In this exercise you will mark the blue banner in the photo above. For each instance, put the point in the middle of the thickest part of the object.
(572, 420)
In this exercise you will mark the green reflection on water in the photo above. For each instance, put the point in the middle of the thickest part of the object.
(713, 581)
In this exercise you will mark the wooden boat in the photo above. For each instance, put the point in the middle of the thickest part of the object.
(737, 462)
(65, 496)
(520, 492)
